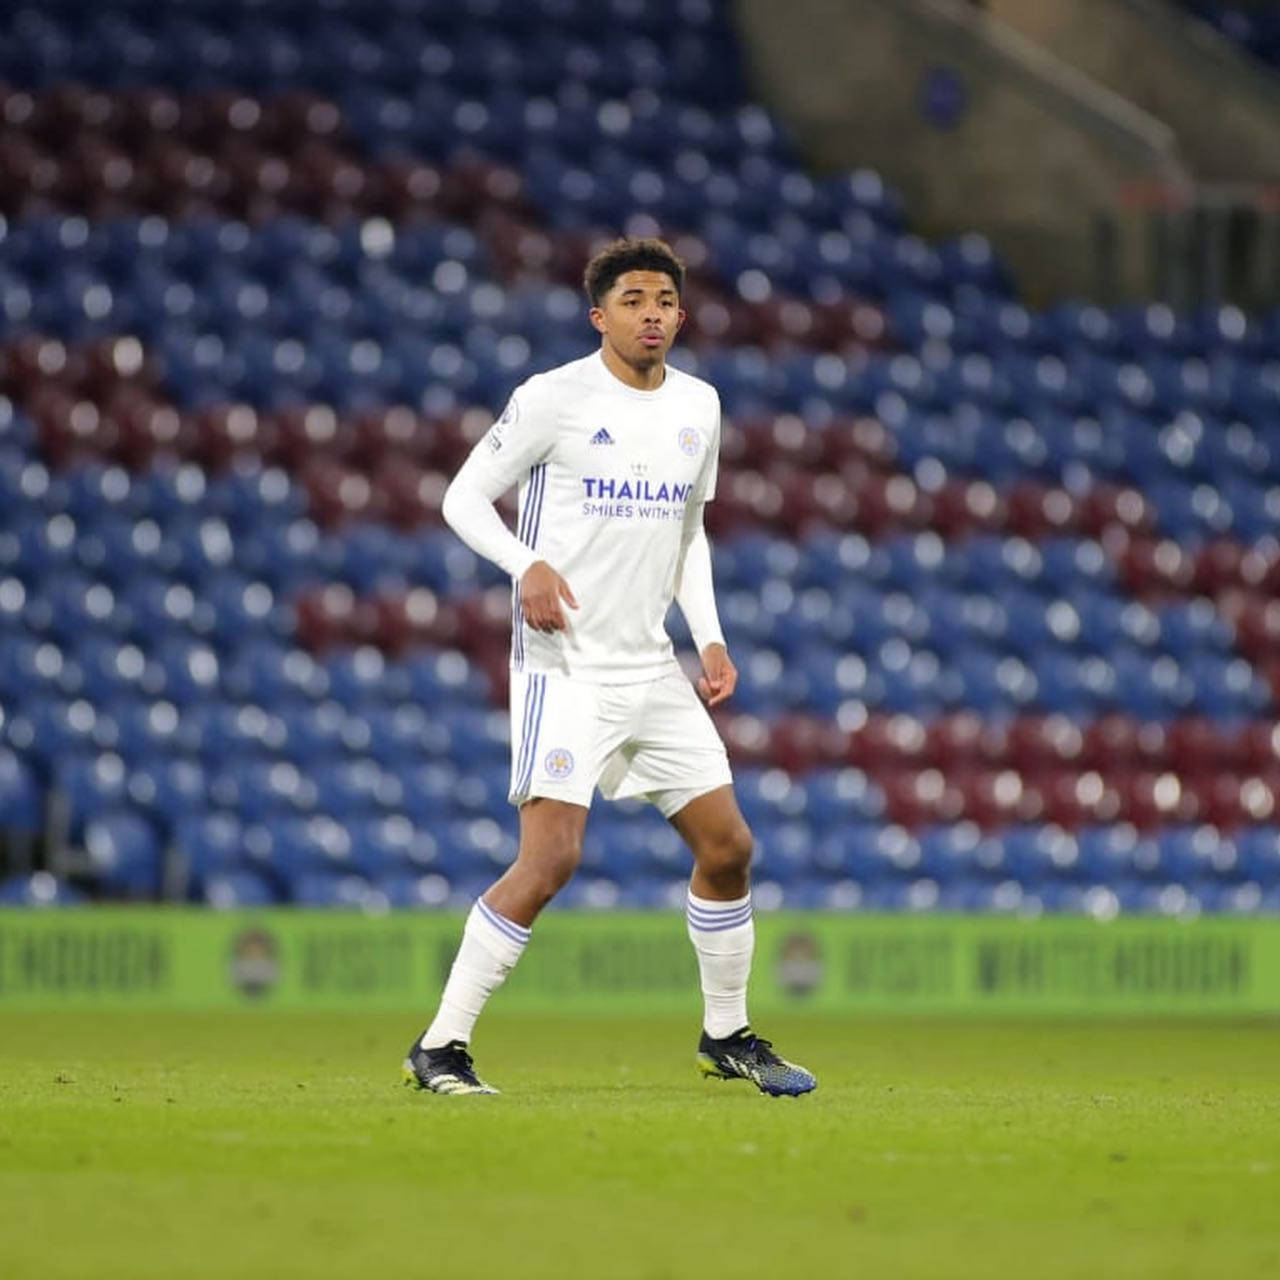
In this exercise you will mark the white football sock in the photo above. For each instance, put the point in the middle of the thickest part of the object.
(491, 945)
(724, 936)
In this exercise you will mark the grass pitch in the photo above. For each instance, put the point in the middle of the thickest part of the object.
(281, 1146)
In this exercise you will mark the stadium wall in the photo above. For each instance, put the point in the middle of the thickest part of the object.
(1223, 106)
(175, 958)
(980, 127)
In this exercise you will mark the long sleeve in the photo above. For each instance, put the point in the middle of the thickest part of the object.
(519, 440)
(695, 590)
(469, 511)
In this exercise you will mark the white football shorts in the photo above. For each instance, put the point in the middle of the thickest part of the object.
(652, 739)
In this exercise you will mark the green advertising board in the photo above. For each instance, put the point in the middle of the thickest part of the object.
(161, 958)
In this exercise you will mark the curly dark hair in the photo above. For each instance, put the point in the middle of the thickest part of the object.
(628, 254)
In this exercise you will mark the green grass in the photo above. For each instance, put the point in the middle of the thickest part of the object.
(247, 1145)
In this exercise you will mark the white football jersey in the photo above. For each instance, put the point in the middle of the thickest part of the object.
(608, 475)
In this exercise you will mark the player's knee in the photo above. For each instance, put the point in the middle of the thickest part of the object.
(740, 846)
(554, 864)
(559, 870)
(725, 857)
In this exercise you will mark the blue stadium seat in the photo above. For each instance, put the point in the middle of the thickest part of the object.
(349, 893)
(167, 788)
(408, 732)
(415, 892)
(39, 889)
(971, 555)
(269, 673)
(237, 890)
(124, 853)
(51, 730)
(212, 842)
(262, 791)
(21, 796)
(89, 784)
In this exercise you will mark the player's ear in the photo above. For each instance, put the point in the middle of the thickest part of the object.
(596, 316)
(681, 316)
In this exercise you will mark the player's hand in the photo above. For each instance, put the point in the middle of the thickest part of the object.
(542, 590)
(721, 677)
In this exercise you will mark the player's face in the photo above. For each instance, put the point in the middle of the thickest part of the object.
(640, 317)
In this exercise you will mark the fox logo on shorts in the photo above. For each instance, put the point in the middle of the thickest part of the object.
(559, 763)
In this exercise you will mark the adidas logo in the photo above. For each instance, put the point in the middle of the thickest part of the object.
(602, 437)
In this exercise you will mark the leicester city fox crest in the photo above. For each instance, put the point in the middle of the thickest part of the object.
(689, 441)
(559, 762)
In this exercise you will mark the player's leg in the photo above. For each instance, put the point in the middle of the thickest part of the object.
(679, 762)
(551, 834)
(493, 939)
(720, 840)
(559, 740)
(722, 930)
(499, 925)
(718, 908)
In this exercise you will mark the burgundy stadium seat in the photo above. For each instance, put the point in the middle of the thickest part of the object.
(961, 740)
(1258, 745)
(1195, 743)
(748, 739)
(301, 434)
(142, 115)
(714, 319)
(225, 432)
(151, 430)
(888, 742)
(1107, 506)
(290, 117)
(798, 743)
(1158, 568)
(393, 431)
(1152, 800)
(968, 506)
(411, 495)
(407, 190)
(475, 185)
(340, 494)
(407, 620)
(326, 618)
(920, 797)
(995, 798)
(1074, 799)
(1116, 741)
(1035, 511)
(1044, 743)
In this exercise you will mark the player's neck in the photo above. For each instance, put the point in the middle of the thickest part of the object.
(649, 378)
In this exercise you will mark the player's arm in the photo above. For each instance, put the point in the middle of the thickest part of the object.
(519, 440)
(695, 594)
(695, 591)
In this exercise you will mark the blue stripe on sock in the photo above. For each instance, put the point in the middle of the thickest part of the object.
(720, 928)
(705, 907)
(712, 920)
(508, 928)
(719, 917)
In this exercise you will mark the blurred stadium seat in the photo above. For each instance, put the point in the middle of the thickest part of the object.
(1000, 584)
